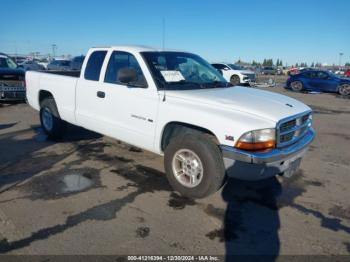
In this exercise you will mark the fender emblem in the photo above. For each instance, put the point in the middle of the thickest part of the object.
(289, 105)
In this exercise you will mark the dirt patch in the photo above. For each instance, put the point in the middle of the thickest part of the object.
(327, 111)
(142, 232)
(338, 211)
(177, 201)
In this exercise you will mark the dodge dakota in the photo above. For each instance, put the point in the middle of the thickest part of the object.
(176, 104)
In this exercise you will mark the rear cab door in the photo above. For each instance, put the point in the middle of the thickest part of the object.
(89, 106)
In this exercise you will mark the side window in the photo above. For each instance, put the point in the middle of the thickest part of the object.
(322, 75)
(93, 66)
(121, 60)
(219, 66)
(310, 74)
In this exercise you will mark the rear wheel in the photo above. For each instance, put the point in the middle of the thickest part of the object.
(344, 90)
(50, 120)
(234, 80)
(194, 165)
(296, 86)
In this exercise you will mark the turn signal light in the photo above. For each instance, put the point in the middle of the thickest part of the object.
(256, 146)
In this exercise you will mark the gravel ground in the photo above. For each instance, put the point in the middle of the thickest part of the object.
(89, 194)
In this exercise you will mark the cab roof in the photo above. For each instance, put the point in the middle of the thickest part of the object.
(136, 48)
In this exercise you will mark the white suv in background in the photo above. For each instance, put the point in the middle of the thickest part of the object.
(235, 74)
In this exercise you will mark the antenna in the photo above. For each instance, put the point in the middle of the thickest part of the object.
(163, 33)
(163, 46)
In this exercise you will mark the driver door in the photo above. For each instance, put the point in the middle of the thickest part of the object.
(129, 109)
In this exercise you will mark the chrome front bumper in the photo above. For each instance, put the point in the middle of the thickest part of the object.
(259, 165)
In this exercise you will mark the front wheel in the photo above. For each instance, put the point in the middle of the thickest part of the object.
(50, 120)
(296, 86)
(344, 90)
(234, 80)
(194, 165)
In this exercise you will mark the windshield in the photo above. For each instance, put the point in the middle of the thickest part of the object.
(179, 70)
(235, 67)
(6, 62)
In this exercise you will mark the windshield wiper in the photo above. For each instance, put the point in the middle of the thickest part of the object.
(185, 82)
(219, 84)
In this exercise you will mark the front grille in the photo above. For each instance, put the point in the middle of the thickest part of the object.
(11, 85)
(293, 128)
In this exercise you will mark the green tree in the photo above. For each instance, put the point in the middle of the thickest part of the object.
(312, 64)
(347, 64)
(277, 62)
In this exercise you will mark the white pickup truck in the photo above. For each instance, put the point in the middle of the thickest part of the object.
(177, 105)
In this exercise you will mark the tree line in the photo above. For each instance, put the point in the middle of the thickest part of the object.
(279, 62)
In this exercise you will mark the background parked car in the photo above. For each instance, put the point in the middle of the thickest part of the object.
(318, 80)
(235, 74)
(269, 70)
(12, 87)
(77, 62)
(31, 65)
(347, 73)
(59, 65)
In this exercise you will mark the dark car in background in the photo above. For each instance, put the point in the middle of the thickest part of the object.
(59, 65)
(318, 80)
(269, 70)
(12, 84)
(77, 63)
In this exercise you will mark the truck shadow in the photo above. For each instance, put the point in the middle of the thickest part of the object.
(251, 220)
(28, 152)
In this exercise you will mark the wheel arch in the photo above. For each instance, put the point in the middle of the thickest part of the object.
(43, 94)
(174, 128)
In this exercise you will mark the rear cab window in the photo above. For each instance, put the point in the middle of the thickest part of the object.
(94, 65)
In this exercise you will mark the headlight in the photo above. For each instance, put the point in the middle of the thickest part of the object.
(257, 140)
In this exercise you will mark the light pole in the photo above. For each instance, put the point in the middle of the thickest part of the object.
(340, 55)
(54, 48)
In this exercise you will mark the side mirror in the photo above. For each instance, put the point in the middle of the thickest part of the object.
(127, 75)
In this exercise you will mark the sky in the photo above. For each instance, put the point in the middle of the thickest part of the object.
(221, 30)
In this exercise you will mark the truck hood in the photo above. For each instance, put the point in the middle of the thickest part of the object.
(11, 74)
(268, 105)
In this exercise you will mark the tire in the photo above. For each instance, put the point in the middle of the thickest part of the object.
(209, 159)
(344, 90)
(50, 120)
(296, 86)
(234, 80)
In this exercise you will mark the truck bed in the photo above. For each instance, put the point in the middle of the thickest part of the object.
(61, 85)
(63, 73)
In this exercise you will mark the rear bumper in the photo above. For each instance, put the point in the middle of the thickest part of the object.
(259, 165)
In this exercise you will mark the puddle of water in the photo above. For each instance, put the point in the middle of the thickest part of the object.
(62, 183)
(75, 182)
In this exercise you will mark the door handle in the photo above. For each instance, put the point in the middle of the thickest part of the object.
(101, 94)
